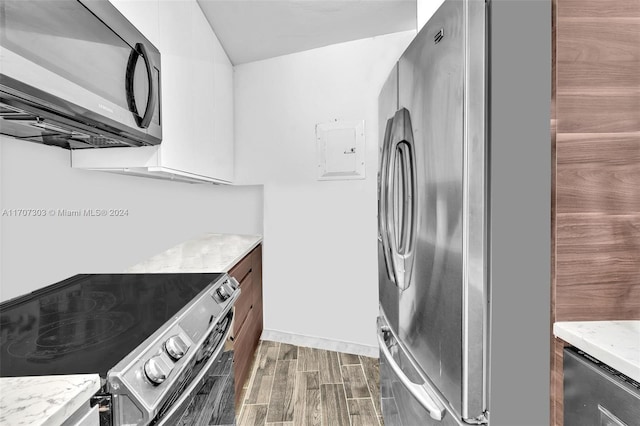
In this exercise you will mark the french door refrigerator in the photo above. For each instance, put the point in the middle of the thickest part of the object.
(465, 147)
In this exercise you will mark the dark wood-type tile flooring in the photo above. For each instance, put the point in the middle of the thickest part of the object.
(296, 386)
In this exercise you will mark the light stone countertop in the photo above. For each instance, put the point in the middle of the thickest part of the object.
(40, 400)
(208, 253)
(615, 343)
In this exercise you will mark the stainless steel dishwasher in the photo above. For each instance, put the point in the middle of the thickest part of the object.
(596, 394)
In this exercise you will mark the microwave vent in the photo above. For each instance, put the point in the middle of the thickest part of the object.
(101, 141)
(20, 124)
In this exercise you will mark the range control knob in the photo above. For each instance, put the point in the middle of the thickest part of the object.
(176, 347)
(223, 293)
(225, 290)
(232, 284)
(156, 370)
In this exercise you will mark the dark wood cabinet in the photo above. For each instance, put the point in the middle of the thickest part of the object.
(247, 326)
(596, 145)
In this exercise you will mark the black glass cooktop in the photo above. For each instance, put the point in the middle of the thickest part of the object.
(88, 323)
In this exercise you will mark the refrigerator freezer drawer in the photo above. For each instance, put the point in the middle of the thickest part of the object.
(408, 398)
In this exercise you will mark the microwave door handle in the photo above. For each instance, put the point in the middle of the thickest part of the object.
(152, 99)
(383, 208)
(402, 157)
(420, 391)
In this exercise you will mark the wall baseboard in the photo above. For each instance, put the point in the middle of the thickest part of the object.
(319, 343)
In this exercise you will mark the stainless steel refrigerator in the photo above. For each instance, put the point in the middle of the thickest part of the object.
(456, 269)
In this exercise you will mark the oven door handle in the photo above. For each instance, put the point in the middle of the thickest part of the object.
(195, 384)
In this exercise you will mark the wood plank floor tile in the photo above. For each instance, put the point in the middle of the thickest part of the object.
(288, 351)
(267, 356)
(243, 394)
(310, 391)
(371, 368)
(252, 366)
(253, 415)
(349, 359)
(361, 412)
(329, 367)
(260, 390)
(307, 410)
(355, 385)
(308, 359)
(334, 405)
(281, 400)
(262, 375)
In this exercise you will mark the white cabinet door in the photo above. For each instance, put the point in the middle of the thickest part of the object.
(203, 101)
(214, 104)
(223, 110)
(177, 150)
(196, 93)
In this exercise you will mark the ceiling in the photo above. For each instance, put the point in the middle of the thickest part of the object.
(252, 30)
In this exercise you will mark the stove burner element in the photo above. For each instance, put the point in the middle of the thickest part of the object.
(69, 335)
(77, 303)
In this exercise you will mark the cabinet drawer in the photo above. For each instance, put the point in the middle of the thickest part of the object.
(243, 347)
(248, 273)
(248, 321)
(257, 276)
(242, 269)
(244, 303)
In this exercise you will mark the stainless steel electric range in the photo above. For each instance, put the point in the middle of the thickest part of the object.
(152, 338)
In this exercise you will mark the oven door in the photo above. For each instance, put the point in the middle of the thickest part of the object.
(82, 60)
(208, 399)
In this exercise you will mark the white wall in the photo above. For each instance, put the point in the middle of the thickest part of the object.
(320, 273)
(38, 251)
(425, 10)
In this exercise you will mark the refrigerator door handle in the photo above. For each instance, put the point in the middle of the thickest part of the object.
(400, 200)
(382, 200)
(420, 391)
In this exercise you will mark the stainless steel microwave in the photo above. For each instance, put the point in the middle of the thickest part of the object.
(77, 74)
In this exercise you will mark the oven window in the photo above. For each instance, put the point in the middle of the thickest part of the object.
(213, 403)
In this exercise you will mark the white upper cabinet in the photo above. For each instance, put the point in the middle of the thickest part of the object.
(223, 108)
(143, 14)
(197, 99)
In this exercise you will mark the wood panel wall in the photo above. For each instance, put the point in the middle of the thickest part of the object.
(596, 167)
